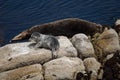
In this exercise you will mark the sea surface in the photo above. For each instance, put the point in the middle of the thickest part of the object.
(18, 15)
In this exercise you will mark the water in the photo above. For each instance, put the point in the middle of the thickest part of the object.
(18, 15)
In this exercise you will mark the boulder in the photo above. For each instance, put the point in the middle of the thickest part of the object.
(92, 66)
(19, 54)
(117, 26)
(32, 72)
(66, 48)
(66, 27)
(83, 45)
(106, 43)
(117, 22)
(64, 68)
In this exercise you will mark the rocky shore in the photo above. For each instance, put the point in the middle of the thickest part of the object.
(80, 57)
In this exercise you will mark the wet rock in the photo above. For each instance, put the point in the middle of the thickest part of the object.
(66, 27)
(32, 72)
(92, 67)
(63, 68)
(83, 45)
(66, 48)
(19, 54)
(107, 43)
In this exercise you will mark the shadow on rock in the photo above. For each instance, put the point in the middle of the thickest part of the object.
(112, 67)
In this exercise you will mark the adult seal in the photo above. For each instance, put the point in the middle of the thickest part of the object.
(66, 27)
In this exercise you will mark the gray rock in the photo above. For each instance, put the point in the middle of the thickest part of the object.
(66, 48)
(83, 45)
(32, 72)
(19, 54)
(92, 66)
(64, 68)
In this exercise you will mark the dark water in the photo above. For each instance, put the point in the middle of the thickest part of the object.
(17, 15)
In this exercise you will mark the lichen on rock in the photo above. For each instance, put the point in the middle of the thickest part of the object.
(106, 43)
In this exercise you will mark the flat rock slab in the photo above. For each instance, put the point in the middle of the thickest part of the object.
(32, 72)
(19, 54)
(64, 68)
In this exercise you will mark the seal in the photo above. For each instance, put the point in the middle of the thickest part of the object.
(65, 27)
(45, 41)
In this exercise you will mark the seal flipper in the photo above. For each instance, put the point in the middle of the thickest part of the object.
(54, 54)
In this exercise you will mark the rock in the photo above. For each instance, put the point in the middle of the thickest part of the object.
(64, 68)
(66, 27)
(117, 22)
(117, 26)
(92, 66)
(32, 72)
(107, 43)
(112, 67)
(83, 45)
(19, 54)
(108, 57)
(66, 48)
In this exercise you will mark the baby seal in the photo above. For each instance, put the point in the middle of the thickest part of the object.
(45, 41)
